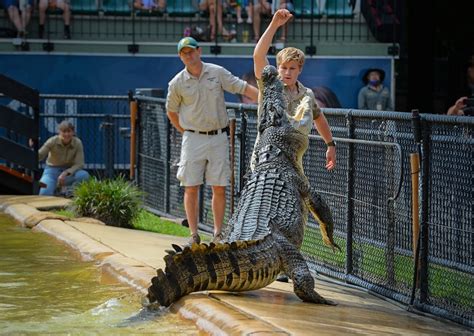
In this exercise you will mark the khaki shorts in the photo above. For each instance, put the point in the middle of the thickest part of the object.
(204, 156)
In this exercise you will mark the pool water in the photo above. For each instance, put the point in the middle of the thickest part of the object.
(45, 288)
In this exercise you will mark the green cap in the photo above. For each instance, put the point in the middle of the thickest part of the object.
(187, 42)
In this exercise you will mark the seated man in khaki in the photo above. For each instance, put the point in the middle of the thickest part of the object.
(65, 160)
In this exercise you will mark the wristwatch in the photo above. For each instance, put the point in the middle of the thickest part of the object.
(331, 143)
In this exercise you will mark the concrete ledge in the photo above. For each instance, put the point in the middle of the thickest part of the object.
(38, 202)
(207, 312)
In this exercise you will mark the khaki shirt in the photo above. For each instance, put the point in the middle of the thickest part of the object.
(200, 101)
(60, 155)
(302, 107)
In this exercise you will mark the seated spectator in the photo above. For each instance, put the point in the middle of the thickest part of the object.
(461, 107)
(374, 95)
(284, 4)
(64, 5)
(268, 8)
(19, 12)
(238, 4)
(65, 160)
(325, 97)
(210, 6)
(260, 8)
(150, 5)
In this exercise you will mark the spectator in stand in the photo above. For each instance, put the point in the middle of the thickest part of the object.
(19, 12)
(284, 4)
(65, 160)
(64, 5)
(264, 8)
(325, 97)
(210, 6)
(238, 4)
(461, 108)
(374, 95)
(150, 5)
(260, 8)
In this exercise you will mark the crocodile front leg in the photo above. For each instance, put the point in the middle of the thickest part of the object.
(322, 213)
(294, 264)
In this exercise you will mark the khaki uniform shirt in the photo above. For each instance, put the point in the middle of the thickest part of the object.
(200, 101)
(302, 107)
(60, 155)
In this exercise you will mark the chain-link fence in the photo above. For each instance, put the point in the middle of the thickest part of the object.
(101, 122)
(370, 194)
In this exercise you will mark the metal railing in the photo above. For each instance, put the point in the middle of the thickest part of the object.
(370, 195)
(113, 21)
(101, 122)
(370, 192)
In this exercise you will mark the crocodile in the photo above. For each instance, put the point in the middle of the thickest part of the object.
(265, 233)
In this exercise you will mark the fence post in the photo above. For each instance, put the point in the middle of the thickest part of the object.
(415, 198)
(389, 173)
(109, 141)
(424, 234)
(232, 164)
(133, 134)
(350, 195)
(243, 143)
(416, 129)
(167, 166)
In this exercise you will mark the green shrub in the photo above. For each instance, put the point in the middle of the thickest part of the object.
(115, 202)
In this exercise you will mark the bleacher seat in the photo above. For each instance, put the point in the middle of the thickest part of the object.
(84, 7)
(338, 9)
(303, 9)
(116, 7)
(146, 13)
(181, 8)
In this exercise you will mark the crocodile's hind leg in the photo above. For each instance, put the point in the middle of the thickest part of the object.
(295, 265)
(322, 213)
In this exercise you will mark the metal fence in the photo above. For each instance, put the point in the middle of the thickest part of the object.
(318, 20)
(101, 122)
(370, 194)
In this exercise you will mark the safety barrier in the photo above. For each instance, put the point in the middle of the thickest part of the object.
(370, 194)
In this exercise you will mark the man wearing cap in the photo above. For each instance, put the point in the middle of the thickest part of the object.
(196, 108)
(374, 95)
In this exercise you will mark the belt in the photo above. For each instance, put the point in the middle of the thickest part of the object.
(213, 132)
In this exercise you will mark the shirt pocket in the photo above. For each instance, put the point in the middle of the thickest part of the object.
(212, 86)
(189, 94)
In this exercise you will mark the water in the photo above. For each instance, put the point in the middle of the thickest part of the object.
(46, 289)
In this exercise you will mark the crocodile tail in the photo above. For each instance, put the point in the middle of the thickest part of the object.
(236, 266)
